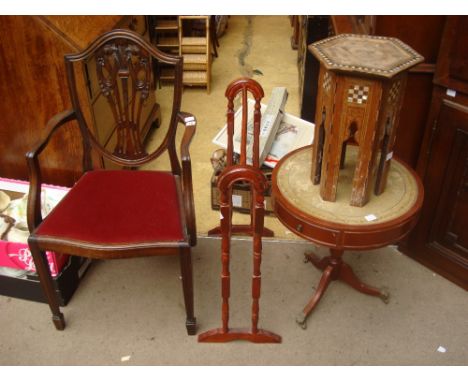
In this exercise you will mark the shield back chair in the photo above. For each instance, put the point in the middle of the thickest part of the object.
(252, 174)
(125, 212)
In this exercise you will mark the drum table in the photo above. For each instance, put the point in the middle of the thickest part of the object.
(385, 219)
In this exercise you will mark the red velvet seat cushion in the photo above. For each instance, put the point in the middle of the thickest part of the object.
(116, 207)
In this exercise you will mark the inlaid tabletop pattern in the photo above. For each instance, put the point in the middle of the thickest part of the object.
(376, 55)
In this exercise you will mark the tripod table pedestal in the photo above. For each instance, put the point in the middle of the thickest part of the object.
(384, 220)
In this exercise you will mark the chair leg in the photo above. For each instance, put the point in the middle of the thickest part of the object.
(187, 284)
(42, 268)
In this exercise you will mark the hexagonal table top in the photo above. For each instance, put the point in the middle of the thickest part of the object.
(371, 55)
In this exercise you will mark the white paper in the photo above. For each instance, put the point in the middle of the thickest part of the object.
(271, 116)
(441, 349)
(237, 200)
(292, 133)
(451, 93)
(370, 217)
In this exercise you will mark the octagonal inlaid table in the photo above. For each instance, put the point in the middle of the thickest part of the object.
(384, 220)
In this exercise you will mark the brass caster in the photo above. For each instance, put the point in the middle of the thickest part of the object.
(385, 296)
(301, 320)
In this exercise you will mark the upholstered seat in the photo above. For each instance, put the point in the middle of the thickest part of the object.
(115, 207)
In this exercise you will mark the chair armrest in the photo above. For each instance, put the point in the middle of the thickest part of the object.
(190, 124)
(32, 158)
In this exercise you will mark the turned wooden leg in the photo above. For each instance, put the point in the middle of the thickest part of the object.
(47, 284)
(349, 277)
(187, 285)
(256, 283)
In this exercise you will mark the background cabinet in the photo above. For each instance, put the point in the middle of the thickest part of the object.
(164, 33)
(309, 30)
(440, 239)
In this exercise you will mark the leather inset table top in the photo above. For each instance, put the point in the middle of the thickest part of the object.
(295, 185)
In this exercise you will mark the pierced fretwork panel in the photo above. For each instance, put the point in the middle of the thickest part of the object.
(124, 75)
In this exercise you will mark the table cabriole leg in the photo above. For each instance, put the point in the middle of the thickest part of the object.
(322, 287)
(334, 268)
(349, 277)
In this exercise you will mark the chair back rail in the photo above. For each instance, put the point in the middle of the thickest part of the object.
(124, 71)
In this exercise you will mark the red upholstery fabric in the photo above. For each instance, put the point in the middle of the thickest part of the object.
(116, 207)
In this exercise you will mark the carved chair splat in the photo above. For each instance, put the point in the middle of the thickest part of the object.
(252, 174)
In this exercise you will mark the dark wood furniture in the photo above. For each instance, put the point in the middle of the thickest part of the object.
(214, 36)
(252, 174)
(112, 214)
(32, 86)
(423, 34)
(295, 21)
(385, 219)
(440, 239)
(311, 29)
(164, 33)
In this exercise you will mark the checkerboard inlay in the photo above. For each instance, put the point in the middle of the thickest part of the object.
(358, 94)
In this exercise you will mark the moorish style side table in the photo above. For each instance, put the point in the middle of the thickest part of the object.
(385, 219)
(361, 87)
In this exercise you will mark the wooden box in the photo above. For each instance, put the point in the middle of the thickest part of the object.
(241, 195)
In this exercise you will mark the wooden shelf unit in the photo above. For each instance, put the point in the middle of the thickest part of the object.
(196, 53)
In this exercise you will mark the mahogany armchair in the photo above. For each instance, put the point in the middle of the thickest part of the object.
(127, 212)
